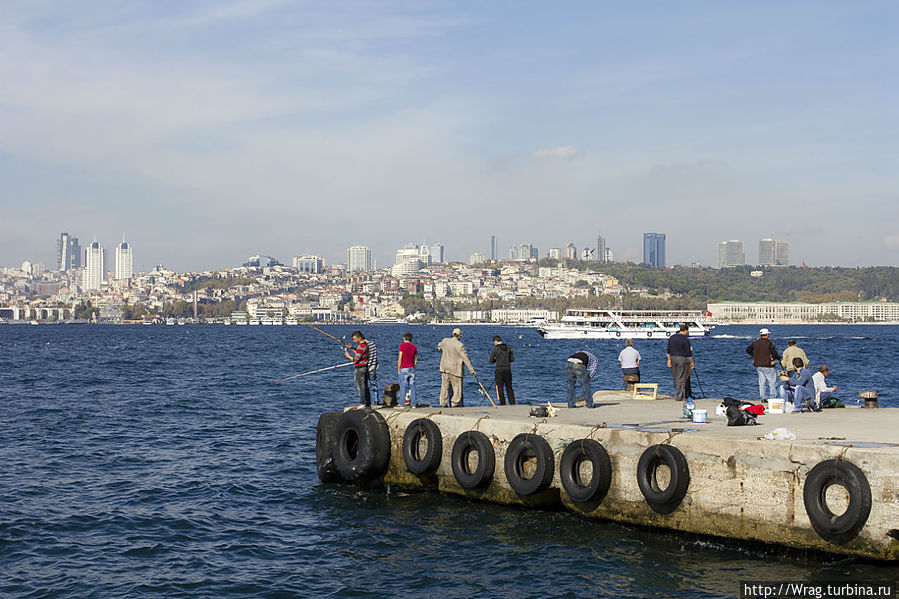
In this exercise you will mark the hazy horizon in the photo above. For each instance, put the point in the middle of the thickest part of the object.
(212, 131)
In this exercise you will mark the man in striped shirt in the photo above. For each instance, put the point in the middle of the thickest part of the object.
(360, 368)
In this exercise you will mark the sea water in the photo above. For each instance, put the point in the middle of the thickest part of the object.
(154, 461)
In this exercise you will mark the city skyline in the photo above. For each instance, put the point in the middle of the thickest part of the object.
(312, 127)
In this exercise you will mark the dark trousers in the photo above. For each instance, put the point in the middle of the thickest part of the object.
(503, 381)
(361, 376)
(680, 372)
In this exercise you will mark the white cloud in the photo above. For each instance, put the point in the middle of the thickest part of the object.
(559, 152)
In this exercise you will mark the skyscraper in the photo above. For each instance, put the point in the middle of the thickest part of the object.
(493, 247)
(68, 252)
(600, 248)
(309, 263)
(730, 253)
(124, 261)
(773, 252)
(654, 249)
(358, 258)
(555, 253)
(571, 251)
(781, 253)
(437, 250)
(92, 279)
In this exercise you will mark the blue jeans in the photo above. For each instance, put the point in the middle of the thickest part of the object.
(360, 375)
(767, 373)
(802, 395)
(407, 383)
(577, 373)
(373, 386)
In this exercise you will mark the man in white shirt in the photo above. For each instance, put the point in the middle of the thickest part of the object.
(822, 391)
(629, 358)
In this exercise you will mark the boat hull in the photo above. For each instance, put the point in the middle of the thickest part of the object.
(576, 333)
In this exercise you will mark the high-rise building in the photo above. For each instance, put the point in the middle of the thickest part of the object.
(476, 258)
(68, 252)
(92, 278)
(600, 248)
(773, 252)
(493, 247)
(730, 253)
(513, 252)
(124, 261)
(571, 251)
(309, 263)
(437, 253)
(609, 257)
(358, 258)
(424, 256)
(407, 260)
(555, 253)
(654, 249)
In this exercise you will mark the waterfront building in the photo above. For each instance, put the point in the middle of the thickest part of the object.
(773, 252)
(309, 263)
(600, 248)
(437, 251)
(571, 251)
(798, 312)
(654, 249)
(358, 258)
(92, 277)
(124, 261)
(555, 253)
(730, 253)
(476, 258)
(493, 248)
(68, 252)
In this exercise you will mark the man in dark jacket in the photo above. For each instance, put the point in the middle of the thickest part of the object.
(502, 356)
(680, 360)
(764, 358)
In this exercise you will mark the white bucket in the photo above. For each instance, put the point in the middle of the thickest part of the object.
(700, 416)
(775, 406)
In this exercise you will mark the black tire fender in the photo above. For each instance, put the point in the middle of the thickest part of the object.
(663, 501)
(416, 463)
(361, 445)
(845, 527)
(324, 448)
(574, 455)
(466, 443)
(526, 446)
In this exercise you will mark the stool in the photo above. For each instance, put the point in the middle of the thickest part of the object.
(629, 380)
(645, 390)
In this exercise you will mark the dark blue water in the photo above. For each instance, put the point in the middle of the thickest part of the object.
(160, 462)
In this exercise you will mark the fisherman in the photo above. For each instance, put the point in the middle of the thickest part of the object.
(680, 360)
(793, 351)
(454, 356)
(629, 359)
(822, 391)
(580, 368)
(764, 357)
(406, 362)
(360, 368)
(503, 357)
(802, 387)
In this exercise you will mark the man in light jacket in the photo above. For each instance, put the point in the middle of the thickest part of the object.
(454, 356)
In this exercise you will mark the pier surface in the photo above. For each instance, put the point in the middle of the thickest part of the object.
(741, 485)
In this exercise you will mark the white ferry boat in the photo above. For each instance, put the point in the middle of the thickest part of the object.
(386, 320)
(579, 323)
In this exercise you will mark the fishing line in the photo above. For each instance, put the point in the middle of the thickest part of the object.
(311, 372)
(327, 333)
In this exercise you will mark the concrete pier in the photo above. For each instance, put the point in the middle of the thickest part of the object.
(741, 485)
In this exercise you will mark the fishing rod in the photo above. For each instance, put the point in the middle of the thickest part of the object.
(696, 372)
(311, 372)
(342, 343)
(484, 390)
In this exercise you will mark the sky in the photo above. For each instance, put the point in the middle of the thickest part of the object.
(207, 132)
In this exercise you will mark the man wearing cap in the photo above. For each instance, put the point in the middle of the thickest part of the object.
(680, 360)
(454, 356)
(764, 358)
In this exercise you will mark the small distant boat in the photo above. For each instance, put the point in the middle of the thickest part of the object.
(579, 323)
(291, 321)
(255, 321)
(240, 322)
(386, 320)
(170, 321)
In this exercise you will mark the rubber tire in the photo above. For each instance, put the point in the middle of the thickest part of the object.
(422, 427)
(324, 448)
(600, 482)
(518, 448)
(663, 501)
(361, 445)
(837, 529)
(467, 442)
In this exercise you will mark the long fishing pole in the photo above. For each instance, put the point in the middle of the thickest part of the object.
(484, 390)
(342, 343)
(698, 380)
(311, 372)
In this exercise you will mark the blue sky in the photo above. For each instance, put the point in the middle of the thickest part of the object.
(210, 131)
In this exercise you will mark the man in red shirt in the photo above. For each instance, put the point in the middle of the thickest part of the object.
(360, 368)
(406, 362)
